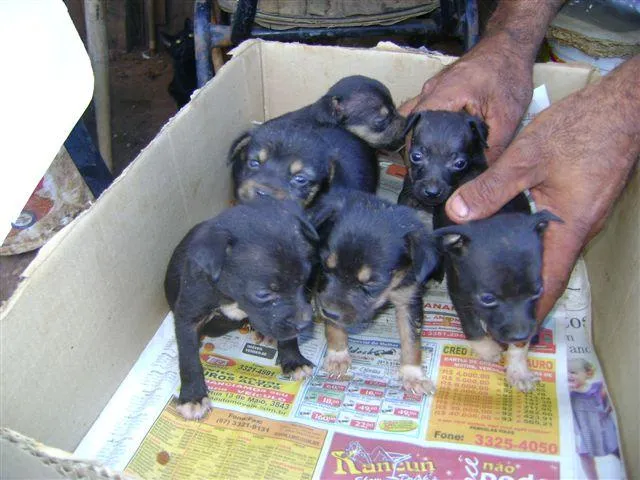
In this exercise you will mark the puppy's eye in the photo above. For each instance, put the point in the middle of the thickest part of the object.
(254, 163)
(263, 296)
(416, 157)
(460, 163)
(488, 300)
(299, 180)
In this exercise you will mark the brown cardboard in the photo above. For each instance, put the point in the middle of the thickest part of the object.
(93, 297)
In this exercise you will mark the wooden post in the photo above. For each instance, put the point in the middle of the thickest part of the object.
(95, 16)
(151, 25)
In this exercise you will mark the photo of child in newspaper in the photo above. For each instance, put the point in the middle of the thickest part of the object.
(596, 432)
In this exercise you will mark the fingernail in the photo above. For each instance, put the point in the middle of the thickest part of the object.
(458, 207)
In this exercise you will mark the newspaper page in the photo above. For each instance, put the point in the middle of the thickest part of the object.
(364, 426)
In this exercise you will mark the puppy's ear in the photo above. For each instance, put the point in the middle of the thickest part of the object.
(331, 109)
(209, 256)
(452, 239)
(412, 120)
(541, 220)
(325, 212)
(424, 254)
(480, 130)
(337, 108)
(308, 230)
(188, 25)
(238, 150)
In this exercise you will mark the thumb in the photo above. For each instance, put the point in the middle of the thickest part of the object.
(489, 192)
(407, 107)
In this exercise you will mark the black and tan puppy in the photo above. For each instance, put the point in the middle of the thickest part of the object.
(360, 105)
(287, 160)
(444, 147)
(250, 261)
(373, 252)
(494, 279)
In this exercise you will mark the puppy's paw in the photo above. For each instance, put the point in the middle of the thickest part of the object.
(487, 349)
(522, 378)
(195, 410)
(258, 338)
(297, 367)
(415, 381)
(302, 372)
(337, 363)
(518, 373)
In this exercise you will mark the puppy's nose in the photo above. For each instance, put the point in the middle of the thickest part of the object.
(432, 191)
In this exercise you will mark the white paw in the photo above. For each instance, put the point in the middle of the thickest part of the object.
(415, 381)
(195, 410)
(337, 364)
(302, 372)
(487, 349)
(522, 378)
(258, 338)
(518, 373)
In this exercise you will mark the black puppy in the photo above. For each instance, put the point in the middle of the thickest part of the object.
(444, 147)
(372, 252)
(494, 278)
(361, 105)
(287, 160)
(182, 50)
(249, 261)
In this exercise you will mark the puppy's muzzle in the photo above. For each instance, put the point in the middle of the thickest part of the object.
(432, 192)
(250, 190)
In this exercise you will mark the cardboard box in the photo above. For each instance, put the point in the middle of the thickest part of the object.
(93, 297)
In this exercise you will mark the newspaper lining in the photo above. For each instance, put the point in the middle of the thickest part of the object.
(265, 425)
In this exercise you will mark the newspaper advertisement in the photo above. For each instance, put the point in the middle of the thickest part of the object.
(365, 426)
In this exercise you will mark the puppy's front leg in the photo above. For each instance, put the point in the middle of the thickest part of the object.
(487, 349)
(193, 402)
(409, 316)
(292, 361)
(337, 361)
(518, 373)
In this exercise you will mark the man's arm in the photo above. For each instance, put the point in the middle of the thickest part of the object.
(576, 157)
(522, 24)
(494, 79)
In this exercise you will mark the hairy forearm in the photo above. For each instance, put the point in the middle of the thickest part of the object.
(520, 25)
(622, 88)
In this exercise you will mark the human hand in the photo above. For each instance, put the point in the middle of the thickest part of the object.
(576, 158)
(491, 81)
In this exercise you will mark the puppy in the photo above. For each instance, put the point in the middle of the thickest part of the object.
(444, 147)
(372, 252)
(250, 261)
(182, 50)
(360, 105)
(494, 278)
(287, 160)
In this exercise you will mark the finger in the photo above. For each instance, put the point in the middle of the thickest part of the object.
(486, 194)
(407, 107)
(561, 250)
(437, 101)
